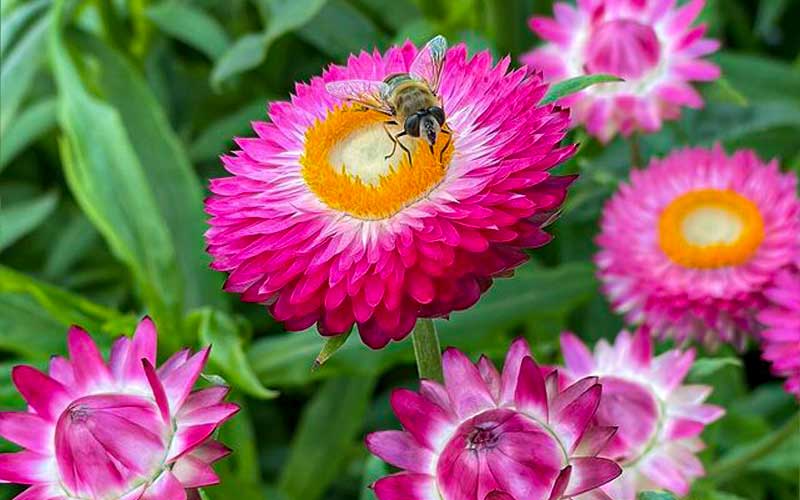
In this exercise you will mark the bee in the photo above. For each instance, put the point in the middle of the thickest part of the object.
(410, 99)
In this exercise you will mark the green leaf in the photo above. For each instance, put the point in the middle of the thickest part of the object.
(19, 67)
(109, 183)
(706, 367)
(21, 218)
(339, 29)
(729, 122)
(71, 243)
(219, 330)
(217, 138)
(656, 495)
(31, 124)
(250, 50)
(564, 88)
(190, 25)
(329, 426)
(759, 78)
(12, 23)
(374, 469)
(332, 344)
(25, 331)
(165, 164)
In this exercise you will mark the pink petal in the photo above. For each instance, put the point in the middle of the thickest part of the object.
(468, 392)
(401, 450)
(561, 483)
(641, 350)
(499, 495)
(215, 414)
(194, 473)
(406, 487)
(88, 365)
(204, 397)
(594, 440)
(531, 395)
(571, 422)
(577, 357)
(516, 353)
(188, 438)
(424, 420)
(26, 467)
(166, 487)
(158, 390)
(42, 492)
(589, 473)
(491, 376)
(44, 394)
(28, 430)
(180, 381)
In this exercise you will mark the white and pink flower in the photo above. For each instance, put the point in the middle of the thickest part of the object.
(658, 418)
(495, 436)
(118, 430)
(651, 44)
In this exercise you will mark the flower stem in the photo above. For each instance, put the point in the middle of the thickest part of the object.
(427, 350)
(636, 152)
(724, 469)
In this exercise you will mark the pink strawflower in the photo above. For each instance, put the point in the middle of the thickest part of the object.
(658, 419)
(780, 341)
(651, 44)
(491, 436)
(689, 245)
(316, 223)
(121, 430)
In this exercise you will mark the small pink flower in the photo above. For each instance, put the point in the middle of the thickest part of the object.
(320, 222)
(121, 430)
(691, 243)
(494, 436)
(781, 339)
(658, 419)
(651, 44)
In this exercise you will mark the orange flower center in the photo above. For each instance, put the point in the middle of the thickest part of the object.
(345, 164)
(710, 228)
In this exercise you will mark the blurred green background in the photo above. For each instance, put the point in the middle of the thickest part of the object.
(114, 114)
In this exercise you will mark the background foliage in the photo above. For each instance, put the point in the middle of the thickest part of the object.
(113, 115)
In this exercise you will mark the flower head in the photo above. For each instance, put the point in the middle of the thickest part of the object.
(116, 430)
(658, 419)
(324, 225)
(491, 436)
(780, 341)
(690, 244)
(651, 44)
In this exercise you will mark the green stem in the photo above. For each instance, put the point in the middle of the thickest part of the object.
(636, 152)
(427, 350)
(724, 469)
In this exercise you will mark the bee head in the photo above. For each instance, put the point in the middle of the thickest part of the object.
(429, 129)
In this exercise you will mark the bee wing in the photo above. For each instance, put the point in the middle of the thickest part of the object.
(366, 92)
(427, 66)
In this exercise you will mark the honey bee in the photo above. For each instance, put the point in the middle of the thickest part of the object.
(410, 99)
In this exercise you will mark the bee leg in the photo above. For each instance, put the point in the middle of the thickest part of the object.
(404, 148)
(446, 144)
(391, 137)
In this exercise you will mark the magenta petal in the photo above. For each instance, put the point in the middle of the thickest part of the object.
(423, 419)
(498, 495)
(516, 353)
(642, 347)
(561, 483)
(491, 376)
(44, 394)
(42, 492)
(158, 390)
(573, 419)
(25, 467)
(531, 395)
(215, 414)
(594, 440)
(166, 487)
(589, 473)
(406, 487)
(468, 392)
(87, 363)
(194, 473)
(26, 429)
(577, 357)
(401, 450)
(142, 346)
(188, 438)
(204, 397)
(179, 382)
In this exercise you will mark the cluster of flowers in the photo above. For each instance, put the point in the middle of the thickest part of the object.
(319, 224)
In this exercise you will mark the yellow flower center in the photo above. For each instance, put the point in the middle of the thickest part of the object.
(710, 228)
(345, 164)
